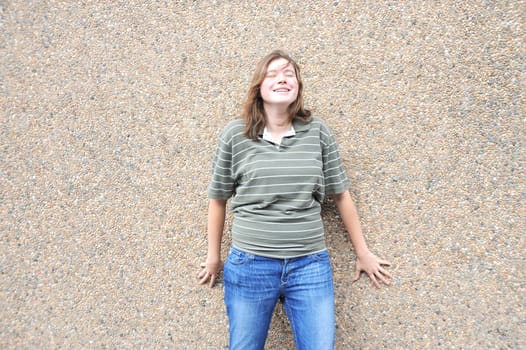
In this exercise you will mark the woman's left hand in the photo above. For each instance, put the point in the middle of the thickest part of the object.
(374, 267)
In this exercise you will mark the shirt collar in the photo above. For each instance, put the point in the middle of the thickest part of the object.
(299, 126)
(267, 136)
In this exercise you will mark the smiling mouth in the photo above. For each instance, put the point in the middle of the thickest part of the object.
(281, 90)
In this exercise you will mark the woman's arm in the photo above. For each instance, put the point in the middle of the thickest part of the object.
(216, 223)
(366, 261)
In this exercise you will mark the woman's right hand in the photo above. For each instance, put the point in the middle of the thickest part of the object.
(210, 272)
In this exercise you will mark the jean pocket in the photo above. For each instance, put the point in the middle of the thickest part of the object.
(237, 257)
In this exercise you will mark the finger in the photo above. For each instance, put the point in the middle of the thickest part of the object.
(212, 281)
(375, 282)
(203, 272)
(356, 275)
(382, 278)
(384, 262)
(204, 278)
(386, 273)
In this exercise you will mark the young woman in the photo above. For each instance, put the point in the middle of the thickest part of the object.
(277, 164)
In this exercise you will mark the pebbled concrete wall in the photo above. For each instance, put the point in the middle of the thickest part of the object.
(109, 118)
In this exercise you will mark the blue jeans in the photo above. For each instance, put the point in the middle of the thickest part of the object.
(253, 286)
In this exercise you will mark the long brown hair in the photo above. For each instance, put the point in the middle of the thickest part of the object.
(253, 110)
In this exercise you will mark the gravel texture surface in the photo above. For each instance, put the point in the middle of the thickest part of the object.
(109, 117)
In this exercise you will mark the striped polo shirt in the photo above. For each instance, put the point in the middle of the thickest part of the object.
(276, 190)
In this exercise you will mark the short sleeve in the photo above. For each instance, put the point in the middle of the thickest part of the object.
(336, 180)
(222, 182)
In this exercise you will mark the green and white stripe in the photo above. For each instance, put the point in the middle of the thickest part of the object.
(277, 190)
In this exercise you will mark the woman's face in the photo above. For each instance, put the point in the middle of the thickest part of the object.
(280, 86)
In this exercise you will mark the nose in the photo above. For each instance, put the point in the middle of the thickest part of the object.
(282, 78)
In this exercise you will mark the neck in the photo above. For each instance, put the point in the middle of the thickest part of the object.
(277, 118)
(278, 123)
